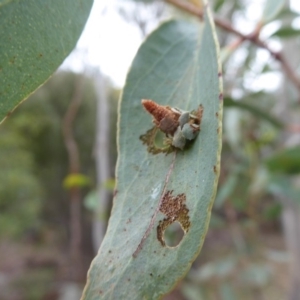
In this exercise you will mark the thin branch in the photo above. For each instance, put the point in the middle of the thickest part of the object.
(74, 167)
(253, 37)
(67, 127)
(187, 6)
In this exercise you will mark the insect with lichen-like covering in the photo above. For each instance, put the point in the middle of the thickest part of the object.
(179, 126)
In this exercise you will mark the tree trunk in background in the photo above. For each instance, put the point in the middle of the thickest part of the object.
(102, 160)
(291, 210)
(291, 226)
(76, 271)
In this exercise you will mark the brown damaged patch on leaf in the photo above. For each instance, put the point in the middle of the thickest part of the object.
(215, 169)
(175, 209)
(198, 114)
(149, 139)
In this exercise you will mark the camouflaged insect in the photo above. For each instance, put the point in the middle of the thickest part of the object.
(179, 126)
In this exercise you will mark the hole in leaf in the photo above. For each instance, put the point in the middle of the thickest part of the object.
(159, 139)
(173, 234)
(156, 141)
(175, 209)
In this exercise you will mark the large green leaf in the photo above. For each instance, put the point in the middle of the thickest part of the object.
(176, 66)
(36, 36)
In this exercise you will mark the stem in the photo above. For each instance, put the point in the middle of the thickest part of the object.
(74, 167)
(253, 37)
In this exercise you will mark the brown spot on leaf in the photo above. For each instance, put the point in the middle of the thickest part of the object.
(198, 114)
(175, 209)
(115, 193)
(215, 169)
(219, 74)
(221, 97)
(217, 114)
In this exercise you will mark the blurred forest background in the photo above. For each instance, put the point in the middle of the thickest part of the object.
(58, 155)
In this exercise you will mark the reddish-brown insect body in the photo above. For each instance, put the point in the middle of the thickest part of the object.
(163, 117)
(157, 111)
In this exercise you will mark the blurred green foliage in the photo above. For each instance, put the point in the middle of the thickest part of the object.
(33, 157)
(20, 189)
(34, 205)
(76, 180)
(285, 161)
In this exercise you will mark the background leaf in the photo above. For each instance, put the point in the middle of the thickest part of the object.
(281, 186)
(286, 161)
(286, 32)
(36, 36)
(177, 66)
(272, 9)
(258, 112)
(76, 180)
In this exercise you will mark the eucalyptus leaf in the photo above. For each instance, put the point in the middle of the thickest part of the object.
(286, 32)
(272, 9)
(218, 5)
(36, 36)
(176, 66)
(286, 161)
(281, 185)
(286, 14)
